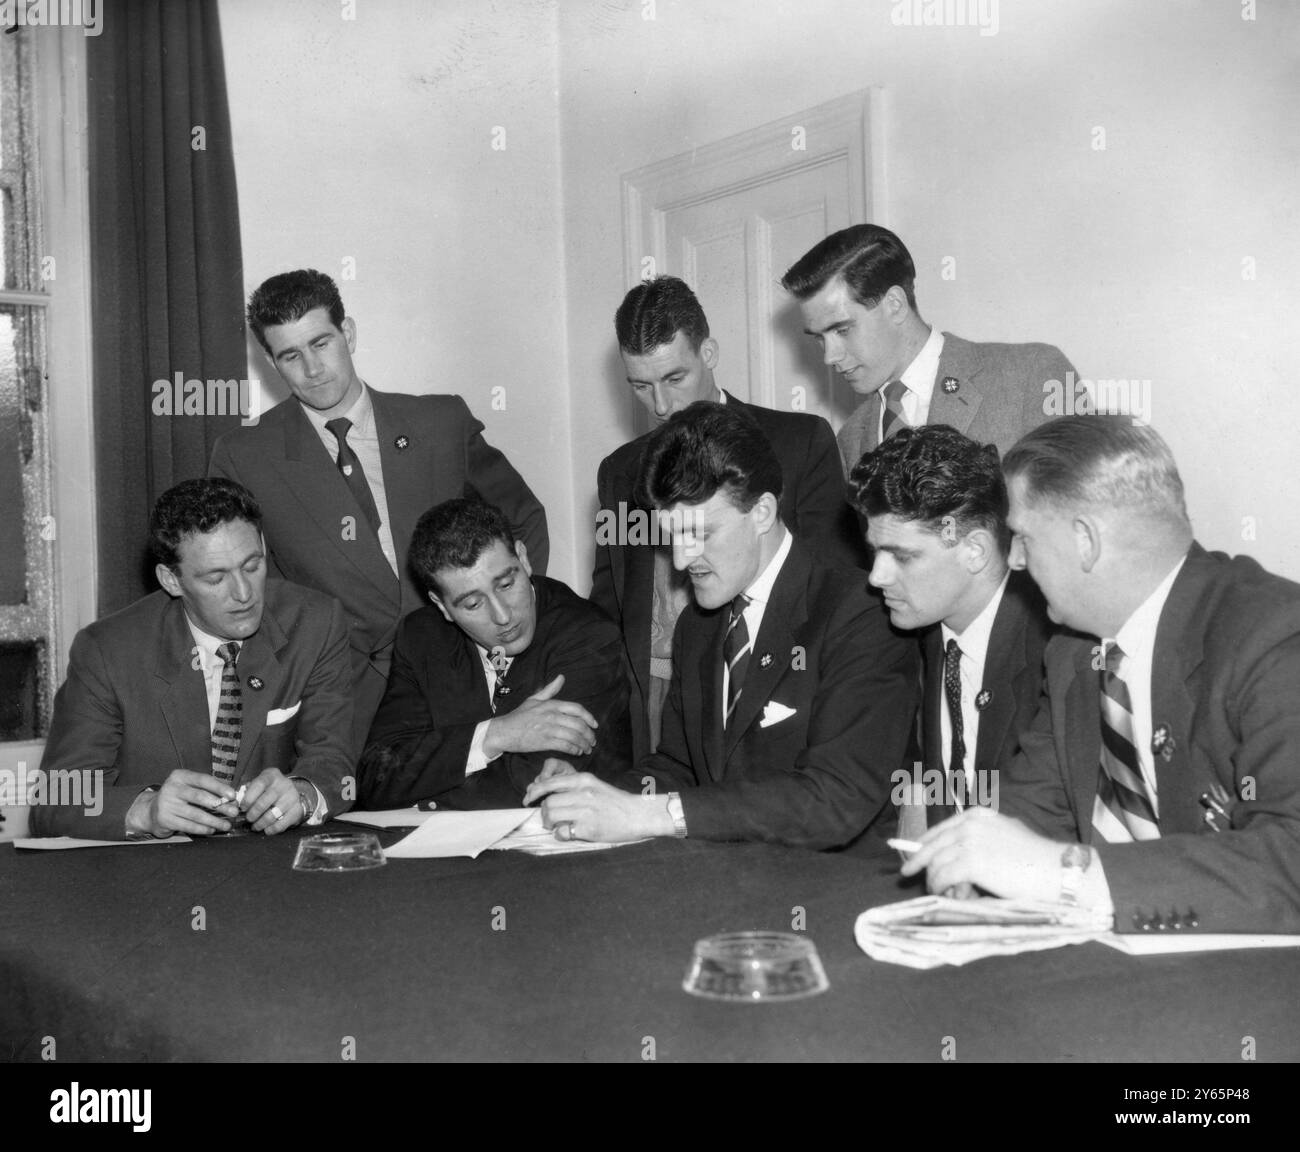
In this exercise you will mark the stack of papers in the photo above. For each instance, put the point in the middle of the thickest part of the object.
(449, 833)
(934, 930)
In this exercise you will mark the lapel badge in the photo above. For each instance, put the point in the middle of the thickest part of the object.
(503, 689)
(983, 700)
(255, 682)
(401, 442)
(765, 661)
(1162, 742)
(950, 384)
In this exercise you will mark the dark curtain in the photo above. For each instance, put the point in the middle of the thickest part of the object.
(166, 273)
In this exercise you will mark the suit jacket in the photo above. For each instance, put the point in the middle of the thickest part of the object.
(1013, 678)
(814, 776)
(438, 694)
(431, 449)
(134, 706)
(1226, 667)
(999, 395)
(812, 506)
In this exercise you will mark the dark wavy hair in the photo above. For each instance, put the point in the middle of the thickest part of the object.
(290, 296)
(654, 312)
(871, 260)
(704, 449)
(197, 506)
(929, 473)
(454, 534)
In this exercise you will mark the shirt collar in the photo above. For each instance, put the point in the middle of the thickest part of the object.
(974, 641)
(919, 375)
(1139, 630)
(207, 644)
(761, 589)
(362, 415)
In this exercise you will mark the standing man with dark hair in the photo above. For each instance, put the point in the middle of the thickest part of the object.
(503, 670)
(669, 357)
(856, 291)
(220, 680)
(1160, 779)
(342, 472)
(936, 510)
(791, 700)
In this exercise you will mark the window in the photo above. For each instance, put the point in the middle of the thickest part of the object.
(27, 526)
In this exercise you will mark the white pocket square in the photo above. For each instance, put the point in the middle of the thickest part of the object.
(774, 713)
(280, 715)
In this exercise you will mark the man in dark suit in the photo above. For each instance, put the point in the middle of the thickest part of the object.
(505, 669)
(856, 291)
(669, 356)
(342, 472)
(1160, 779)
(224, 697)
(791, 699)
(936, 509)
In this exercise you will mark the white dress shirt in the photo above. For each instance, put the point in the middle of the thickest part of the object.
(758, 592)
(364, 440)
(918, 379)
(974, 645)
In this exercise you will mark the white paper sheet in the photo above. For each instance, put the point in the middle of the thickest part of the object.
(390, 818)
(534, 838)
(57, 843)
(458, 833)
(1157, 943)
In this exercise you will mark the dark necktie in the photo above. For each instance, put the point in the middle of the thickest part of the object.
(894, 418)
(735, 651)
(952, 692)
(1124, 809)
(500, 666)
(228, 729)
(353, 473)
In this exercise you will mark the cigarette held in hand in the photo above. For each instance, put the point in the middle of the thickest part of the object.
(904, 845)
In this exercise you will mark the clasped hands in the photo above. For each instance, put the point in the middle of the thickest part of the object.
(198, 804)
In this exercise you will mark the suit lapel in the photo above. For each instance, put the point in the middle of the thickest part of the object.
(183, 698)
(1178, 654)
(786, 612)
(309, 470)
(1078, 684)
(932, 720)
(1004, 664)
(956, 409)
(259, 663)
(706, 691)
(405, 483)
(639, 586)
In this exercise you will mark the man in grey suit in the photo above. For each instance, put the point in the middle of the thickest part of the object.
(855, 289)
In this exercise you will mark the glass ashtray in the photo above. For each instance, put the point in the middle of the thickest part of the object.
(339, 852)
(752, 967)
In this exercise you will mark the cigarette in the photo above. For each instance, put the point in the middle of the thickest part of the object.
(904, 845)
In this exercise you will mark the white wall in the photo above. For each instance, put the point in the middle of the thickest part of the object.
(371, 139)
(1130, 259)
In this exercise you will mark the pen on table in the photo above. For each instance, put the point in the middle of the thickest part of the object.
(904, 845)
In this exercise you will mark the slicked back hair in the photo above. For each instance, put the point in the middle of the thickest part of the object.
(930, 473)
(654, 312)
(454, 534)
(704, 449)
(290, 296)
(1099, 461)
(870, 259)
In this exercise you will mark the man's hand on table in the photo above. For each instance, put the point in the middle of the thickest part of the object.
(579, 806)
(198, 804)
(272, 803)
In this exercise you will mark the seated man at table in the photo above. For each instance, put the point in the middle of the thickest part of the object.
(791, 699)
(935, 504)
(1160, 779)
(503, 670)
(222, 682)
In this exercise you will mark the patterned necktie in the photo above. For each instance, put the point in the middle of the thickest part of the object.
(228, 729)
(952, 691)
(500, 666)
(735, 651)
(894, 418)
(353, 473)
(1124, 809)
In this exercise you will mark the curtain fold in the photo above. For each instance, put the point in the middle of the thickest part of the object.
(167, 276)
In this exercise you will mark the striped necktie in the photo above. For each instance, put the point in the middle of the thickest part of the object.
(228, 729)
(735, 652)
(893, 419)
(500, 666)
(1124, 809)
(952, 692)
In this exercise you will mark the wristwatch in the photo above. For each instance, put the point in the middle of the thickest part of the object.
(677, 814)
(306, 797)
(1074, 863)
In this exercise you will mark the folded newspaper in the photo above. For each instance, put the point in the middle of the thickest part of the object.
(933, 930)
